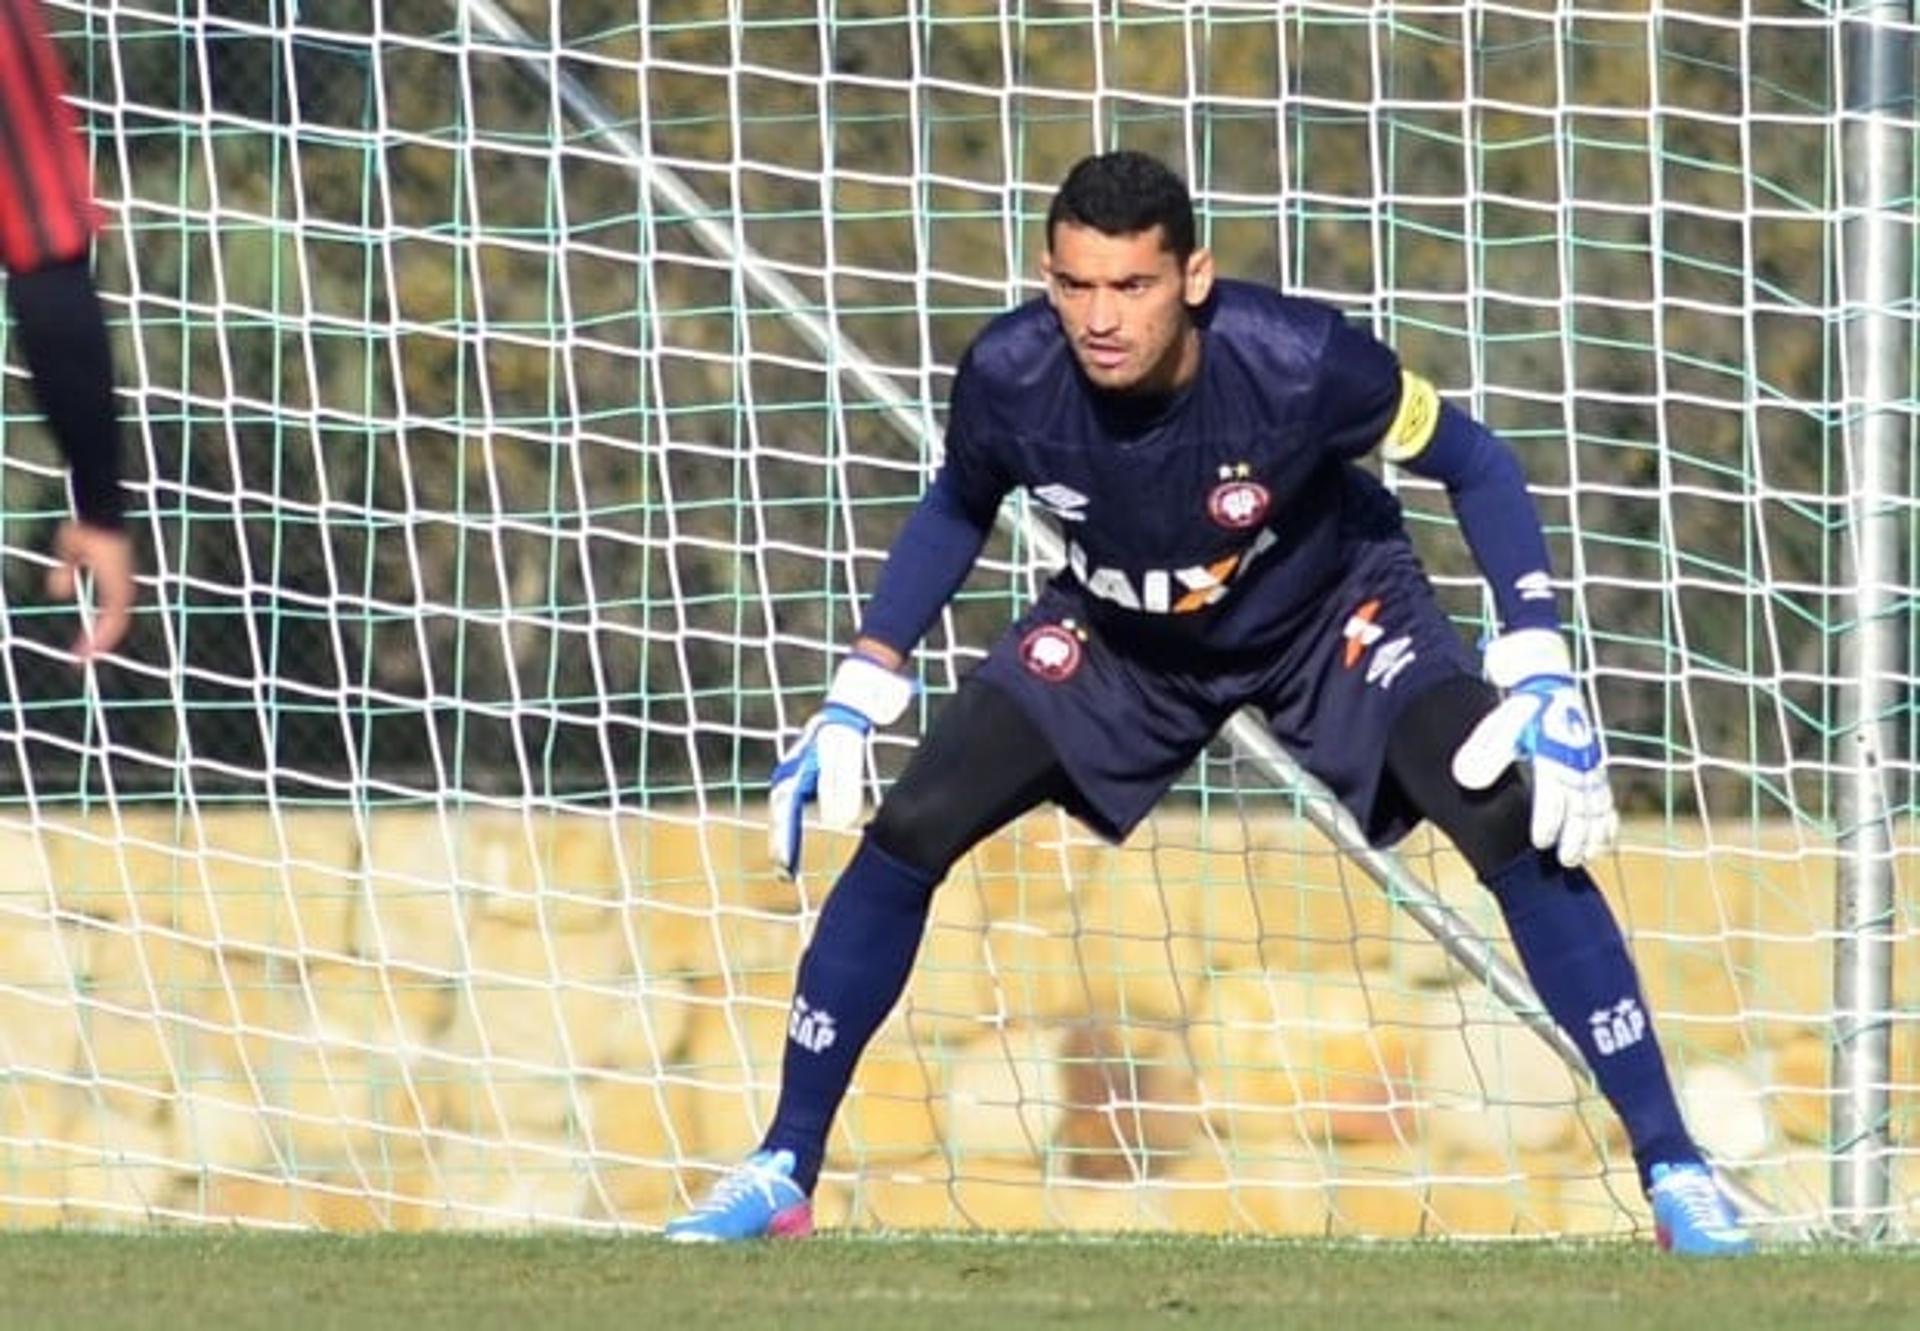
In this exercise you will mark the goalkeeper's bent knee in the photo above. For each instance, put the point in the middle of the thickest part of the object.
(909, 828)
(1490, 827)
(983, 764)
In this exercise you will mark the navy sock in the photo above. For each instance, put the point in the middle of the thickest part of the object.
(1565, 934)
(853, 972)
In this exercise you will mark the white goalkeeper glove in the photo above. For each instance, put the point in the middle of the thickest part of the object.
(1544, 718)
(829, 760)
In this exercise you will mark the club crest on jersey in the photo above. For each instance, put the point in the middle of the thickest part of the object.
(1238, 502)
(1063, 501)
(1053, 651)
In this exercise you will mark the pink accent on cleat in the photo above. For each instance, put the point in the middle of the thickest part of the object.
(796, 1222)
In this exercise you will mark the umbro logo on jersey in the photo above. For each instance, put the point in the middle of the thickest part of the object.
(1063, 501)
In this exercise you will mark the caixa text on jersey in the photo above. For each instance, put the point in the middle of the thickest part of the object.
(1167, 591)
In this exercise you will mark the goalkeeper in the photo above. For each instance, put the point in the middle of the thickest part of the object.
(1196, 440)
(47, 223)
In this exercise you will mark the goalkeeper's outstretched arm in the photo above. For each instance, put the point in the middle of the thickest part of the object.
(1545, 718)
(944, 534)
(1488, 491)
(928, 561)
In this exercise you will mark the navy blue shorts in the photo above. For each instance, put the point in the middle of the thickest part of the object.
(1126, 729)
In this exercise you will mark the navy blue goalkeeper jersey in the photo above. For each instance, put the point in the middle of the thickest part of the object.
(1212, 518)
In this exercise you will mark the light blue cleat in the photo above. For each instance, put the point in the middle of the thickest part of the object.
(757, 1199)
(1692, 1217)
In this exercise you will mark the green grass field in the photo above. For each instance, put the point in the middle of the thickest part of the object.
(231, 1279)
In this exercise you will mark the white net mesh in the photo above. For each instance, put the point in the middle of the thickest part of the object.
(499, 512)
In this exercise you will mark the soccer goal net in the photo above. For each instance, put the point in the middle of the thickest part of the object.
(521, 398)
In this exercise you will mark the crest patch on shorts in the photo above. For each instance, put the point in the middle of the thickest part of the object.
(1053, 651)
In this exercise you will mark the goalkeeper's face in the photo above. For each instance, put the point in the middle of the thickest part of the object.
(1126, 305)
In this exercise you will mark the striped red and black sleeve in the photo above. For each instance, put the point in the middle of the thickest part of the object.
(47, 214)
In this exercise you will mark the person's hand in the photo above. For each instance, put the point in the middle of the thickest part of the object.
(828, 761)
(106, 555)
(1544, 718)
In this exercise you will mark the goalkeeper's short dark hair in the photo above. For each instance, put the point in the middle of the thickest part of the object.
(1123, 194)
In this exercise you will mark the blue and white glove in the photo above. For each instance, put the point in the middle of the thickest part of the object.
(1544, 718)
(829, 760)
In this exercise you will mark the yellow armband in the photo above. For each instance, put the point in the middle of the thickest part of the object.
(1414, 424)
